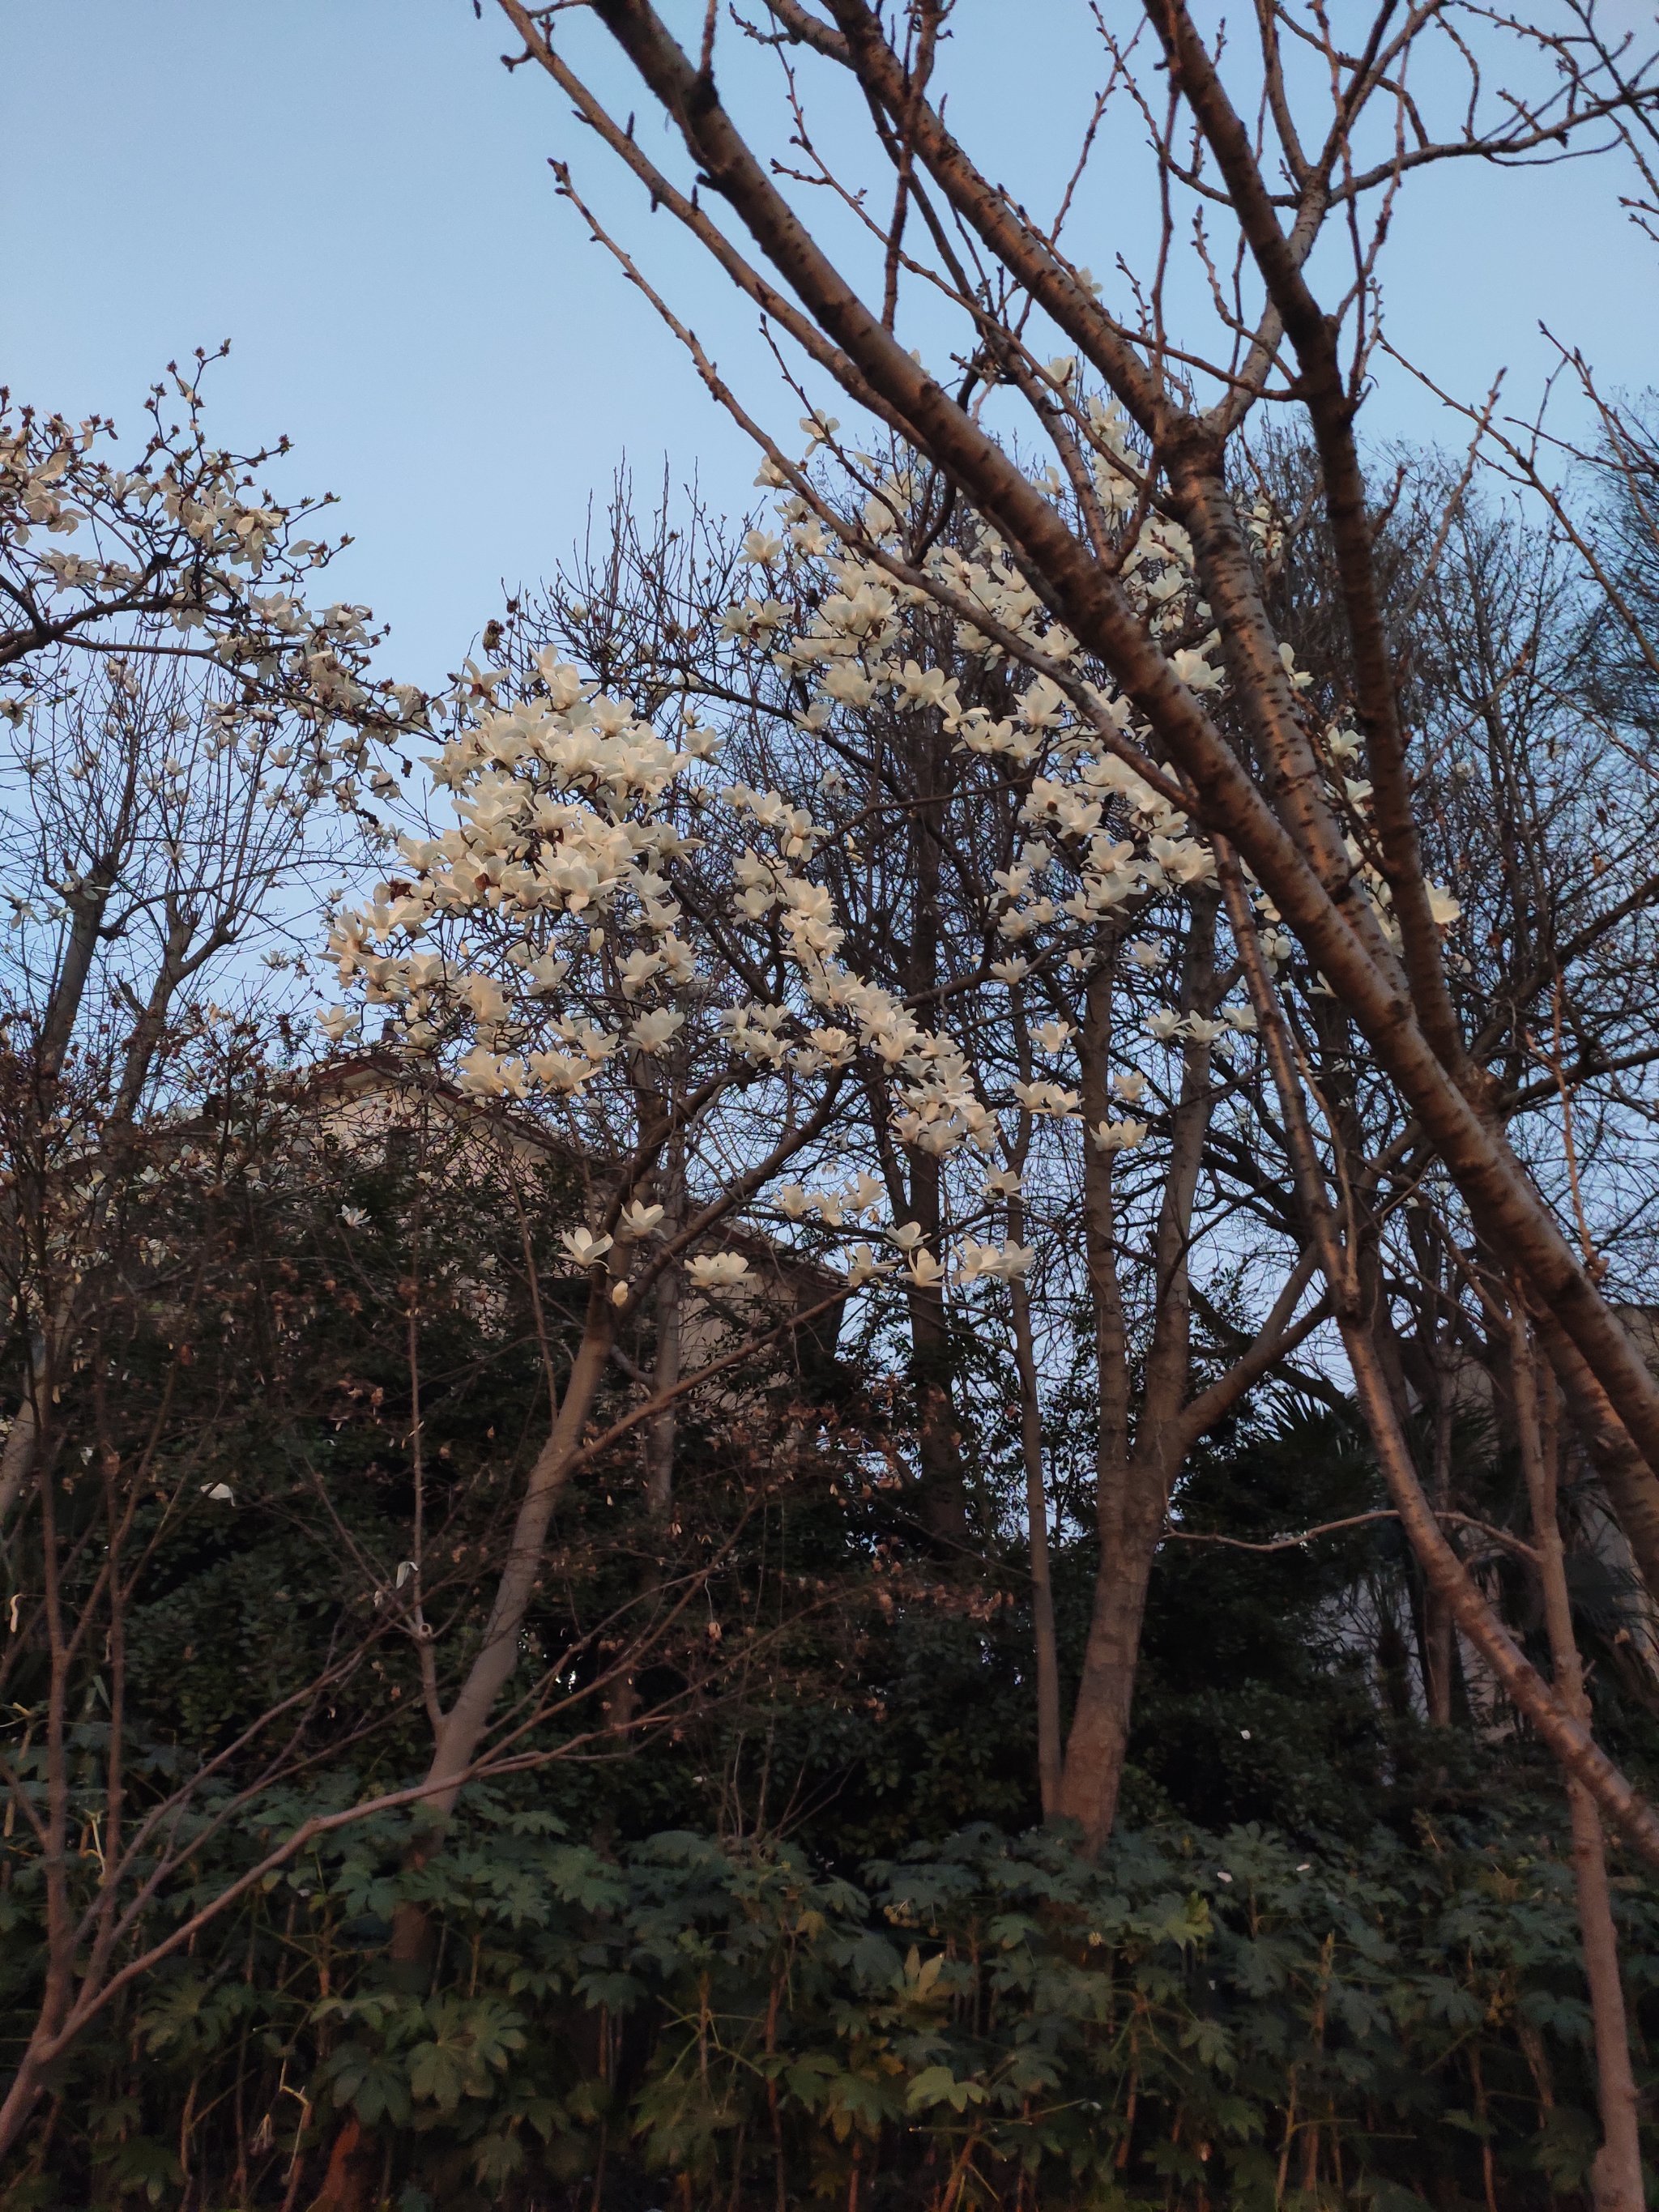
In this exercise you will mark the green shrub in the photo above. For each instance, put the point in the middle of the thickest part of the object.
(1197, 2021)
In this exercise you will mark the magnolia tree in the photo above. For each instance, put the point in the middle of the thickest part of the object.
(1288, 151)
(188, 741)
(191, 743)
(647, 958)
(986, 854)
(188, 732)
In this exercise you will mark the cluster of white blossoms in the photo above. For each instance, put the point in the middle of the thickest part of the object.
(556, 861)
(544, 942)
(1104, 838)
(1103, 843)
(567, 929)
(90, 549)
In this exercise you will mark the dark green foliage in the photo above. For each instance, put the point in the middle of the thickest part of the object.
(798, 1943)
(1200, 2019)
(1257, 1702)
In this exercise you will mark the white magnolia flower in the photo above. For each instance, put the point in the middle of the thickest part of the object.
(925, 1271)
(1011, 971)
(1164, 1025)
(714, 1271)
(1053, 1036)
(1181, 860)
(993, 1262)
(484, 1076)
(655, 1032)
(1049, 1098)
(636, 971)
(1195, 672)
(584, 1246)
(560, 1071)
(1129, 1083)
(1118, 1136)
(847, 682)
(564, 683)
(1242, 1019)
(907, 1235)
(926, 687)
(219, 1493)
(863, 1267)
(485, 996)
(639, 1219)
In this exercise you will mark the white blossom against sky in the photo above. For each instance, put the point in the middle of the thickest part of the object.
(357, 194)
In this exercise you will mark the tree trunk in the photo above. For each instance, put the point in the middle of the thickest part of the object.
(943, 1489)
(662, 1434)
(1133, 1484)
(1628, 1482)
(345, 2183)
(86, 911)
(1581, 1758)
(663, 1431)
(468, 1716)
(22, 2095)
(1438, 1637)
(1045, 1647)
(1133, 1501)
(464, 1724)
(943, 1500)
(1616, 2174)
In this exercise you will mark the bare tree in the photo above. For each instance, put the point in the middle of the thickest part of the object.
(1296, 141)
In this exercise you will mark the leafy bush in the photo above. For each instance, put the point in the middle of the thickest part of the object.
(1198, 2019)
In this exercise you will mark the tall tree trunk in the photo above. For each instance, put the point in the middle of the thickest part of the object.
(1581, 1758)
(464, 1726)
(663, 1431)
(1133, 1497)
(469, 1715)
(1439, 1644)
(1616, 2174)
(662, 1434)
(1632, 1490)
(1133, 1483)
(20, 1453)
(943, 1499)
(1045, 1645)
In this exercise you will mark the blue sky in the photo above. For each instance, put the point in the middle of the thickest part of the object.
(356, 193)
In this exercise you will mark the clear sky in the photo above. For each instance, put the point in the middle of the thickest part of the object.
(356, 193)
